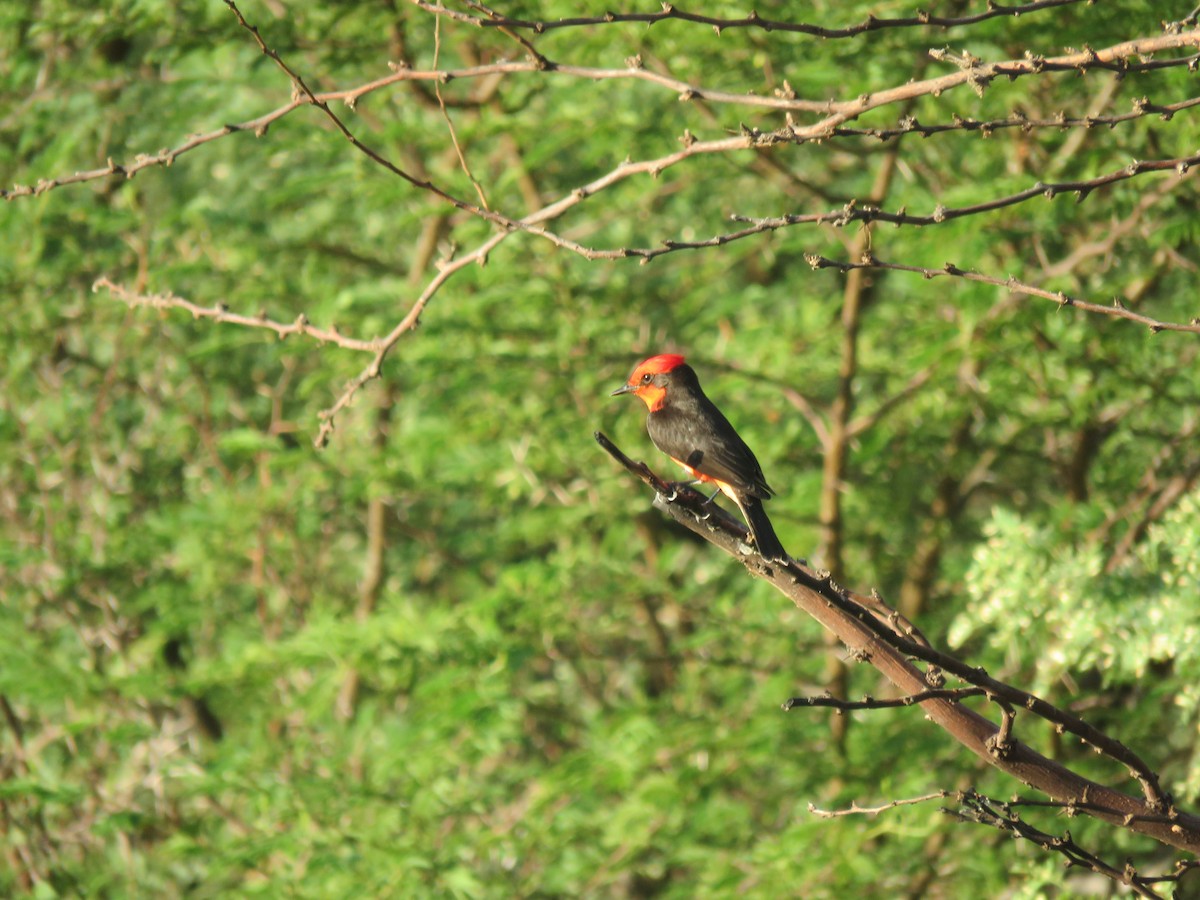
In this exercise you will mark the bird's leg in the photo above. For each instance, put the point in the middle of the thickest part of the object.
(708, 502)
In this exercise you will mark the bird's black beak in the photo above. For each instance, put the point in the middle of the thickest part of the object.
(623, 389)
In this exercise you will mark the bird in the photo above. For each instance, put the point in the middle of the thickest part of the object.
(685, 425)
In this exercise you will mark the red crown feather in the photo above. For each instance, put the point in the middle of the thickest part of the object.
(656, 365)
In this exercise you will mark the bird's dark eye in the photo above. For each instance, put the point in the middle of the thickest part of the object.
(647, 378)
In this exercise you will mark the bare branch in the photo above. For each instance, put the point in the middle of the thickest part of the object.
(410, 321)
(1116, 310)
(852, 213)
(869, 640)
(221, 313)
(986, 811)
(978, 75)
(753, 20)
(856, 810)
(1001, 815)
(830, 702)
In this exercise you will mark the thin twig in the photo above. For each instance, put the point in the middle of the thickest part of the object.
(221, 313)
(437, 92)
(986, 811)
(856, 810)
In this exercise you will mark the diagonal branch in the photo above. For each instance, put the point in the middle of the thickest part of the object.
(830, 702)
(870, 641)
(866, 421)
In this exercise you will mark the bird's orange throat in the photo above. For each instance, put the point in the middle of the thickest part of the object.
(653, 396)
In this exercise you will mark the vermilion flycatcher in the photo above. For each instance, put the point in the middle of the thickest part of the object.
(684, 424)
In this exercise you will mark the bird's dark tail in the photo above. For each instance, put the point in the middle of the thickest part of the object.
(760, 526)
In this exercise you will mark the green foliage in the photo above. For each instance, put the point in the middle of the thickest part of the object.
(556, 694)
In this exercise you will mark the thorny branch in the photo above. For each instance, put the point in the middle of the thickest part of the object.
(852, 213)
(866, 611)
(839, 611)
(221, 313)
(492, 19)
(1142, 107)
(1002, 815)
(986, 811)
